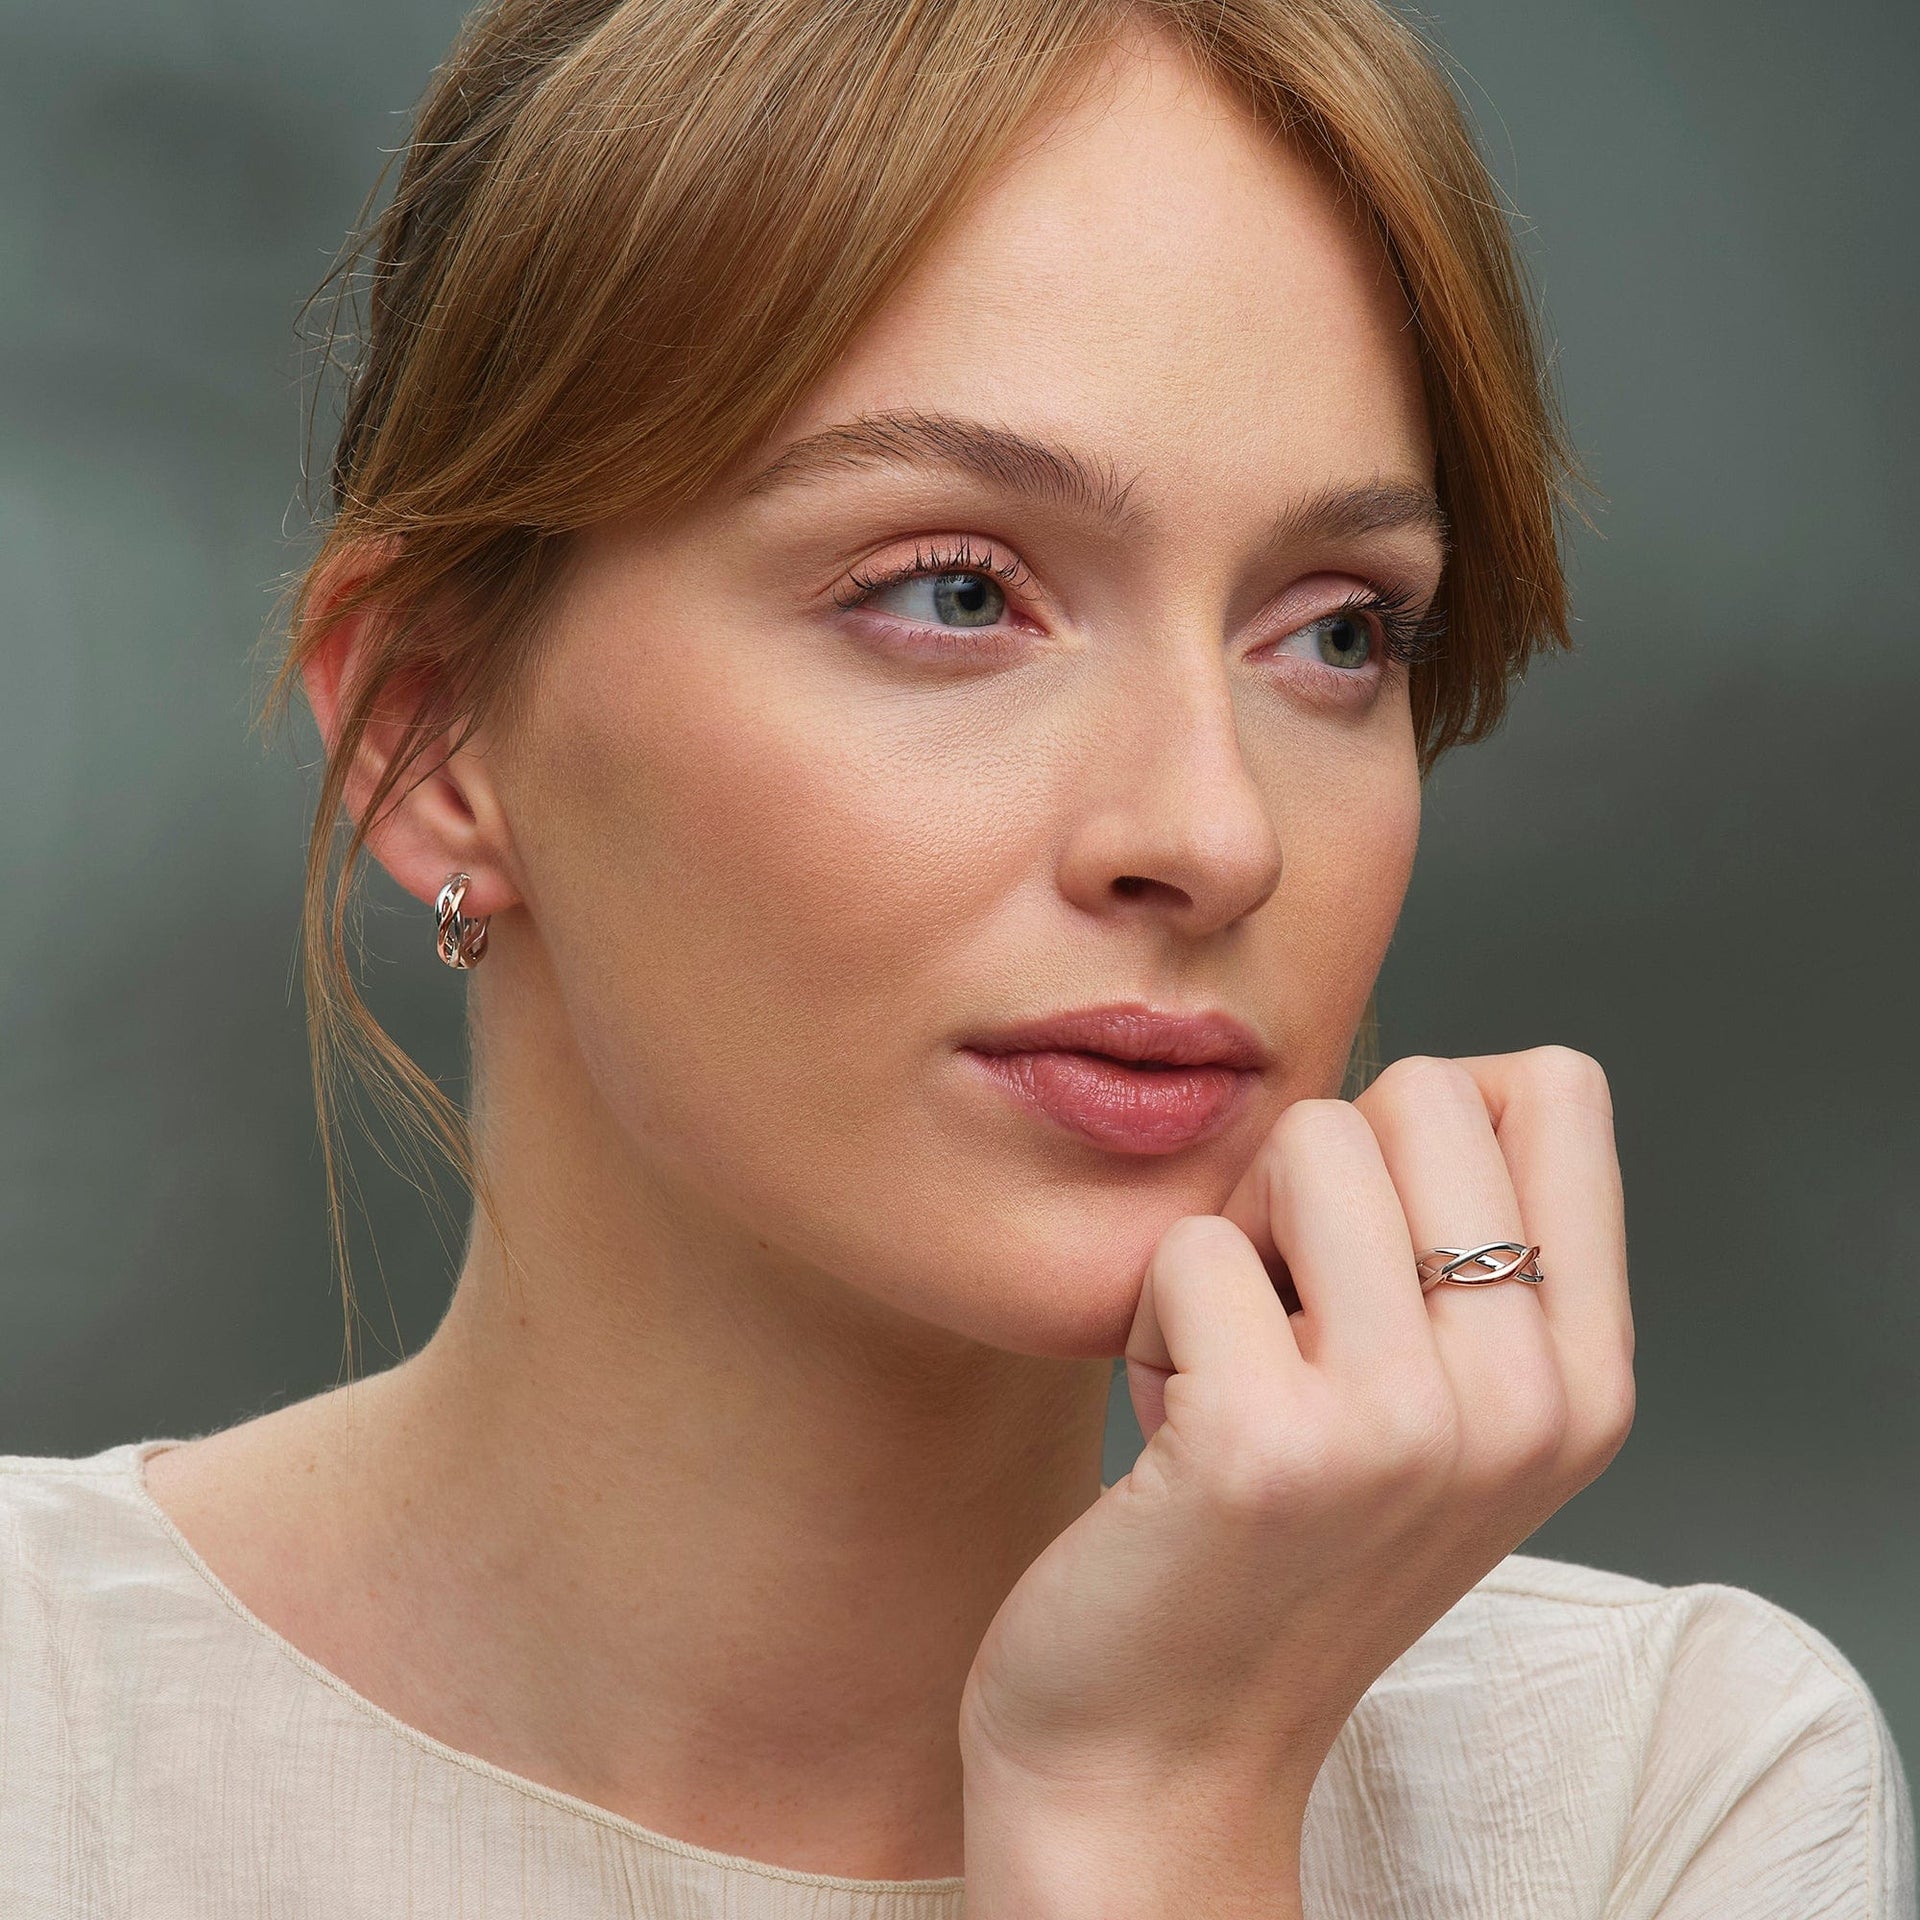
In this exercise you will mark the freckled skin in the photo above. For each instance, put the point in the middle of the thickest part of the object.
(777, 879)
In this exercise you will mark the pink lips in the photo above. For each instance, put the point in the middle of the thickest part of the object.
(1127, 1077)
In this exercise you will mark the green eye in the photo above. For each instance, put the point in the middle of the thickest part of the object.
(945, 599)
(1342, 640)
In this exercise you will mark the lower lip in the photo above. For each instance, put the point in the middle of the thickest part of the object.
(1124, 1108)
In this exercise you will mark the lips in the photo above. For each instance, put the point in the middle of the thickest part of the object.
(1127, 1077)
(1130, 1031)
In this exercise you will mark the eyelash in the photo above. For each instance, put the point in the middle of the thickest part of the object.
(960, 559)
(1408, 634)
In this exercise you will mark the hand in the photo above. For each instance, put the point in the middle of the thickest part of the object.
(1318, 1486)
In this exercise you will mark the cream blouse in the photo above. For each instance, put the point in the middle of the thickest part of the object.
(1563, 1742)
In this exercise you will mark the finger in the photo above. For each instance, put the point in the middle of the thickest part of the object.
(1207, 1310)
(1438, 1142)
(1552, 1114)
(1319, 1199)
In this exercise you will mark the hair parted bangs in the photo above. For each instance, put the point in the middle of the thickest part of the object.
(627, 237)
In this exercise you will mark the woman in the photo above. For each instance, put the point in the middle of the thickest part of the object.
(895, 571)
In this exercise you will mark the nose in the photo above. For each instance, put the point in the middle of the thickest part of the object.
(1171, 823)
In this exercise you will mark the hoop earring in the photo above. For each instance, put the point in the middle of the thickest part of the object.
(461, 941)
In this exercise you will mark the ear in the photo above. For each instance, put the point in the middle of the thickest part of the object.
(451, 821)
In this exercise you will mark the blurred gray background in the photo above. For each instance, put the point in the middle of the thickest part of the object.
(1695, 838)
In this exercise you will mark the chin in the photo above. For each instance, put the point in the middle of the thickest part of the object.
(1055, 1279)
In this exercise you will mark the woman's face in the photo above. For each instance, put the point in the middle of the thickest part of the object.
(928, 729)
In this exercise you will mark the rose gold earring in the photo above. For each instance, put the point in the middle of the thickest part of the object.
(462, 941)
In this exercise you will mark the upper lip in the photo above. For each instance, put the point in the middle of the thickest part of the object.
(1130, 1030)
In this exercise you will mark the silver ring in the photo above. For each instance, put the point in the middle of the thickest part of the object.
(1497, 1260)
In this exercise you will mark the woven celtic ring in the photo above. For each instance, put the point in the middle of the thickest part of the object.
(1497, 1260)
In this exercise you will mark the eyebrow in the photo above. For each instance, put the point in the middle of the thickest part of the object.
(1037, 468)
(1338, 512)
(1045, 470)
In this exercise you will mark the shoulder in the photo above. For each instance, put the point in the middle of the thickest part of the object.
(56, 1513)
(75, 1555)
(1765, 1769)
(87, 1573)
(1565, 1737)
(55, 1509)
(1720, 1650)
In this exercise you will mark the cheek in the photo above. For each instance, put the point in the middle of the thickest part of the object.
(1349, 825)
(765, 904)
(749, 879)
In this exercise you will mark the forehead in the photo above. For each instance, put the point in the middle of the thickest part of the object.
(1156, 279)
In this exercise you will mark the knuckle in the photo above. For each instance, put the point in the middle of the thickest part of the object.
(1312, 1127)
(1195, 1244)
(1254, 1470)
(1416, 1432)
(1526, 1430)
(1568, 1077)
(1604, 1430)
(1425, 1080)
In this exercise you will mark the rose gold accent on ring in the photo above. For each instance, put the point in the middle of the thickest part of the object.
(462, 941)
(1447, 1264)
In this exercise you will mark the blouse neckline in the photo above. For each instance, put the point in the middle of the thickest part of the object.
(134, 1457)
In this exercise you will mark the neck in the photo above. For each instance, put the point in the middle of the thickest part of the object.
(722, 1533)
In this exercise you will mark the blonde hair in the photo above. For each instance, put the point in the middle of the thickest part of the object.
(628, 235)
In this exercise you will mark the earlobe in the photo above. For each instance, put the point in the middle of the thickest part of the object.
(444, 815)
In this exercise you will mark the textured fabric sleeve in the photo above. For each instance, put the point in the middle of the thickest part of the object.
(43, 1832)
(1772, 1787)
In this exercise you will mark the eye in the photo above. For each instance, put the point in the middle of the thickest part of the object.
(1343, 638)
(960, 599)
(949, 587)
